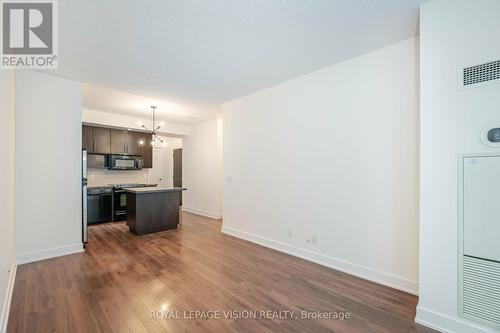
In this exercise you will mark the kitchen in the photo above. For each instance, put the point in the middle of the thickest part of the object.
(116, 160)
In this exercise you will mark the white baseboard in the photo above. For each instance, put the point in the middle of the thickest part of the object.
(366, 273)
(447, 324)
(202, 212)
(4, 315)
(28, 257)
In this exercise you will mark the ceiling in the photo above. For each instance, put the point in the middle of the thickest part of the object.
(197, 54)
(120, 102)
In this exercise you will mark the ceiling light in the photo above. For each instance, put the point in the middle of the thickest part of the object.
(155, 129)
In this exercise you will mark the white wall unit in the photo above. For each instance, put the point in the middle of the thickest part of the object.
(7, 262)
(325, 166)
(453, 34)
(48, 166)
(479, 248)
(202, 169)
(481, 207)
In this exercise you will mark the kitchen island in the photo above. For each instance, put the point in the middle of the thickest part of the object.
(152, 209)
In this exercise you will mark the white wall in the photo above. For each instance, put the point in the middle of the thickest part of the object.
(453, 33)
(48, 166)
(332, 154)
(202, 169)
(118, 120)
(7, 262)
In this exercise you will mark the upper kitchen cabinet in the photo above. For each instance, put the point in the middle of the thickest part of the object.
(99, 140)
(118, 141)
(146, 151)
(135, 141)
(96, 140)
(88, 138)
(126, 142)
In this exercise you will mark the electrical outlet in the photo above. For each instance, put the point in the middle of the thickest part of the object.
(290, 233)
(229, 179)
(314, 240)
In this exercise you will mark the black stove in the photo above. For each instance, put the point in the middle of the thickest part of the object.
(120, 199)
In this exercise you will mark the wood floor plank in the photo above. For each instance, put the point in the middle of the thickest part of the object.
(124, 283)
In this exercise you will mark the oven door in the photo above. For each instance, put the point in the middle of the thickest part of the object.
(119, 205)
(122, 162)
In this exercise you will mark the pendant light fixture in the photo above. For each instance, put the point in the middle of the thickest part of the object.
(156, 128)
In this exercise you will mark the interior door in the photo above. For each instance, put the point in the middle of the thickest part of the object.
(157, 174)
(178, 170)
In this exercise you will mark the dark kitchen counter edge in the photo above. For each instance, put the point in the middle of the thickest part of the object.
(143, 190)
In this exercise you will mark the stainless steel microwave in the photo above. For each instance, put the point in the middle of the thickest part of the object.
(125, 162)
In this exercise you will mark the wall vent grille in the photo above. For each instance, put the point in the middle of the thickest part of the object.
(481, 289)
(481, 73)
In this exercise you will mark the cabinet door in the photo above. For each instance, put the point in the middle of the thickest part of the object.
(102, 140)
(134, 146)
(147, 151)
(118, 141)
(88, 138)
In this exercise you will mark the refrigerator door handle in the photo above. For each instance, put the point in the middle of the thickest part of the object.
(84, 197)
(84, 213)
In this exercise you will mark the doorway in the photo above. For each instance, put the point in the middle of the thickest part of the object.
(159, 170)
(177, 174)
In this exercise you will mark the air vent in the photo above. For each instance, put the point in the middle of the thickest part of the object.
(479, 74)
(481, 290)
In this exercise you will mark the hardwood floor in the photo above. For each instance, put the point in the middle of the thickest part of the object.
(122, 278)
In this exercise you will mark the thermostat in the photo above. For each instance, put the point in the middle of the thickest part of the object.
(491, 136)
(494, 135)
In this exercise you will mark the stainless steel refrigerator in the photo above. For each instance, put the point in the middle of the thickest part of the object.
(84, 197)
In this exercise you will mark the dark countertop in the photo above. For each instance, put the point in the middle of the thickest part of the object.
(140, 190)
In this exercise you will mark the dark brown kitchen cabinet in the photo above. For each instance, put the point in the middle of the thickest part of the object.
(88, 138)
(126, 142)
(147, 151)
(135, 142)
(96, 140)
(118, 141)
(100, 140)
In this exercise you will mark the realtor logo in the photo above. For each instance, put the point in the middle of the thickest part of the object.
(29, 34)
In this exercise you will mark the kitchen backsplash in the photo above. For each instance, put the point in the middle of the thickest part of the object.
(100, 177)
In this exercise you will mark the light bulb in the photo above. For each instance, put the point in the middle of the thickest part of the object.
(141, 142)
(140, 123)
(152, 143)
(164, 143)
(161, 124)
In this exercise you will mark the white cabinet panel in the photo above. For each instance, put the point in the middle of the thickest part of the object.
(482, 207)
